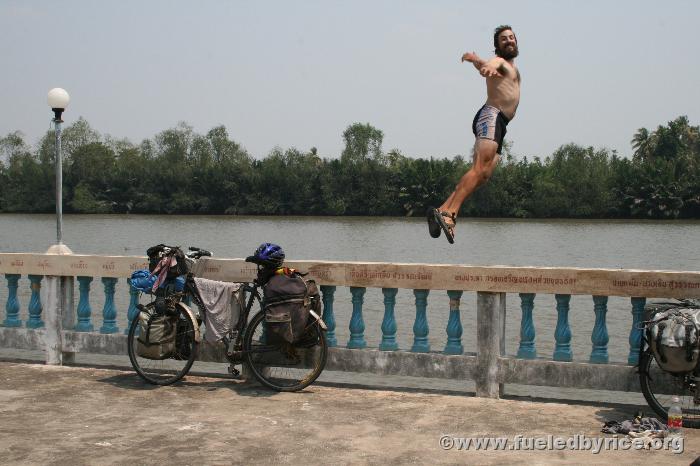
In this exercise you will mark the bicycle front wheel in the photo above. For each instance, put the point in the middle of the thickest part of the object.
(172, 368)
(659, 387)
(282, 366)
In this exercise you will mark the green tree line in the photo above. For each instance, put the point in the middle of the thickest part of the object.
(180, 171)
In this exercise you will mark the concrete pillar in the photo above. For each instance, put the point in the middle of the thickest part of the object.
(58, 315)
(59, 312)
(68, 313)
(502, 336)
(490, 336)
(53, 320)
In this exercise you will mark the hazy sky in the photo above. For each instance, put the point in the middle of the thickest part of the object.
(297, 73)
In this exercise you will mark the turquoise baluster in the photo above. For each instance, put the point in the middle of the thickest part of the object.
(357, 324)
(599, 336)
(527, 327)
(12, 306)
(35, 307)
(328, 317)
(454, 325)
(133, 303)
(109, 312)
(389, 322)
(420, 326)
(636, 332)
(562, 334)
(84, 310)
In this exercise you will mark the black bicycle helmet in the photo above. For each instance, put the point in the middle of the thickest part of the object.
(267, 255)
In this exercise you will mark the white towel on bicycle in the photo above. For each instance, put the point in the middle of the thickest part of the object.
(221, 305)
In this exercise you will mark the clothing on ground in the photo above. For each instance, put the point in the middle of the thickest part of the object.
(635, 425)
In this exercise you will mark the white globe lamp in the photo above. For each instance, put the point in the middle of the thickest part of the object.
(58, 100)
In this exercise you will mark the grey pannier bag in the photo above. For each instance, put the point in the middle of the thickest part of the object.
(674, 338)
(287, 302)
(156, 338)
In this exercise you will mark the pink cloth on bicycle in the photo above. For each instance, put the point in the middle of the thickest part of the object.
(162, 270)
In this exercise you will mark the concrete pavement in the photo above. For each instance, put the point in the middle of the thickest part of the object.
(82, 415)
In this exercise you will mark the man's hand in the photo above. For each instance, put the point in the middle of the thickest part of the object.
(489, 72)
(471, 57)
(493, 67)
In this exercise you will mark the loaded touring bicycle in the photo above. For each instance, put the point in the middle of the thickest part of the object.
(279, 338)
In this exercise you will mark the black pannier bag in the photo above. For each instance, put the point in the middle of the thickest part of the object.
(156, 338)
(157, 253)
(287, 300)
(673, 334)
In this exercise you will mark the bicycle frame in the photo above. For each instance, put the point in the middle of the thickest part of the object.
(235, 351)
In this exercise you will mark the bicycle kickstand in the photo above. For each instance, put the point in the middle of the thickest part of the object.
(233, 372)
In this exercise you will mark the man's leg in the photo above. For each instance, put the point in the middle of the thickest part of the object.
(485, 161)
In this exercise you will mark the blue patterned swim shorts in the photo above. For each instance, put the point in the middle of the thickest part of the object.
(490, 123)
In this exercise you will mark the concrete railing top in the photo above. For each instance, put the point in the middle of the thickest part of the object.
(604, 282)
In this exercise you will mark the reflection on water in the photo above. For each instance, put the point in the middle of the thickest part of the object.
(553, 243)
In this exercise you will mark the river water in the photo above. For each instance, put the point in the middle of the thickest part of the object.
(629, 244)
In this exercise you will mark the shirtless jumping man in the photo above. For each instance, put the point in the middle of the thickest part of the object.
(489, 127)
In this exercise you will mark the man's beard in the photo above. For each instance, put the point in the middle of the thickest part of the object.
(508, 54)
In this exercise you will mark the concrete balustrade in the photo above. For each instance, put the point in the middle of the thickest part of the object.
(61, 329)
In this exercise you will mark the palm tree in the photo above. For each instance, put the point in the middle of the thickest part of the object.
(643, 144)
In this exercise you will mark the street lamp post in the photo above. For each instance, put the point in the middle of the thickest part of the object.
(58, 101)
(59, 289)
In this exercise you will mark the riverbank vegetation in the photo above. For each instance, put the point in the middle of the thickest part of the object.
(180, 171)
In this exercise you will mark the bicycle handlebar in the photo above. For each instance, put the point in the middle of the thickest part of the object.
(196, 253)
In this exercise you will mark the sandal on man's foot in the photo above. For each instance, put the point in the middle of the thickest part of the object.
(448, 229)
(433, 226)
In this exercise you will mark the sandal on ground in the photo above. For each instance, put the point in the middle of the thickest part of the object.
(449, 229)
(433, 226)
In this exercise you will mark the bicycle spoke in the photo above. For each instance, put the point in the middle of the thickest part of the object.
(280, 365)
(175, 365)
(659, 387)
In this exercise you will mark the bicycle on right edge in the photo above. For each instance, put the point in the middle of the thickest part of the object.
(658, 384)
(275, 363)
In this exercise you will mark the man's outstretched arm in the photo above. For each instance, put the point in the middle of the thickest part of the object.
(474, 59)
(494, 67)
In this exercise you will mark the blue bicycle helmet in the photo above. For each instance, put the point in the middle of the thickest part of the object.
(267, 255)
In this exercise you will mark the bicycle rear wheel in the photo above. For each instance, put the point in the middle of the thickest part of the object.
(177, 365)
(282, 366)
(659, 386)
